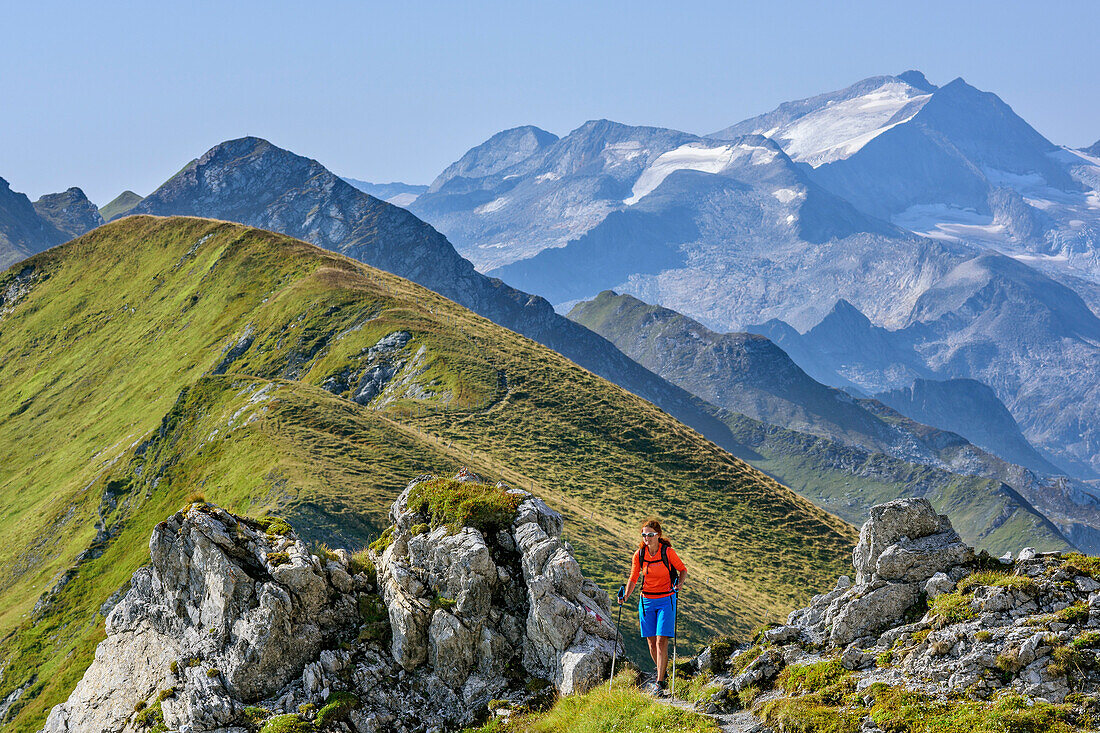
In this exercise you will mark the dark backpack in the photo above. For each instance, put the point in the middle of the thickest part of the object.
(673, 573)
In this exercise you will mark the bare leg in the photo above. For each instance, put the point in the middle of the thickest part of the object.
(652, 641)
(661, 657)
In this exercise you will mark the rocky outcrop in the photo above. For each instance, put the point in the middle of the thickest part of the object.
(69, 211)
(235, 621)
(903, 545)
(928, 615)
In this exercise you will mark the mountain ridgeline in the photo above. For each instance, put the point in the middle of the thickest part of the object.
(156, 359)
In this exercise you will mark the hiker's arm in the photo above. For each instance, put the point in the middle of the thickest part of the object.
(681, 569)
(635, 570)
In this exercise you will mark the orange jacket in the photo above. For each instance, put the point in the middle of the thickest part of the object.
(656, 583)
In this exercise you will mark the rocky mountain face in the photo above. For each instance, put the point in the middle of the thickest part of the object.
(1093, 150)
(70, 212)
(1032, 340)
(971, 409)
(396, 193)
(235, 622)
(929, 624)
(119, 206)
(23, 231)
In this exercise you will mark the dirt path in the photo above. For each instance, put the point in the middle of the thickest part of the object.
(739, 722)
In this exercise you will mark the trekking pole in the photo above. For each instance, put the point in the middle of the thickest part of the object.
(675, 618)
(615, 651)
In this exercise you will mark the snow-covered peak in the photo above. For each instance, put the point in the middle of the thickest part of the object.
(835, 125)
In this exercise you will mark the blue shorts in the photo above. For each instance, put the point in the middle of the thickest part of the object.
(657, 616)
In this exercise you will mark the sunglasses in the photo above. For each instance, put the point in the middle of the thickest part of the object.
(649, 534)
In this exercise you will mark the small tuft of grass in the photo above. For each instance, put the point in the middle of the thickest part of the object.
(1078, 613)
(383, 541)
(256, 715)
(1083, 564)
(802, 678)
(195, 498)
(983, 635)
(290, 723)
(953, 607)
(747, 696)
(463, 504)
(422, 528)
(742, 660)
(720, 652)
(150, 717)
(278, 558)
(1087, 640)
(324, 553)
(338, 706)
(442, 603)
(997, 579)
(166, 693)
(696, 689)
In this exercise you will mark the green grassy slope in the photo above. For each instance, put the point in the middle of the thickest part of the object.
(829, 448)
(120, 397)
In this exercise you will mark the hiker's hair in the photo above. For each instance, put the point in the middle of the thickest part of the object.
(655, 525)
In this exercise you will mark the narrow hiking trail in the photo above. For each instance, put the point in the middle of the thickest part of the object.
(740, 722)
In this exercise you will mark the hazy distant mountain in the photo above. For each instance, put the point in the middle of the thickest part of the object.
(396, 193)
(1032, 340)
(70, 212)
(751, 375)
(524, 190)
(120, 206)
(1094, 149)
(23, 231)
(702, 212)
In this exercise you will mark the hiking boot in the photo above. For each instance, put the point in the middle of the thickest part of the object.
(658, 688)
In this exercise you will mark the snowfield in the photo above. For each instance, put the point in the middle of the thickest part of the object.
(697, 157)
(840, 129)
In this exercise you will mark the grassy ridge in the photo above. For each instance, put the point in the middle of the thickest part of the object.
(120, 398)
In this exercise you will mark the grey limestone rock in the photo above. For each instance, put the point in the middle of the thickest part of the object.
(227, 615)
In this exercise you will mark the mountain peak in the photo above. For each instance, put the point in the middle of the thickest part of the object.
(1094, 149)
(69, 212)
(917, 79)
(500, 152)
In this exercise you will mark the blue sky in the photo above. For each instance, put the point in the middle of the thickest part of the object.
(114, 95)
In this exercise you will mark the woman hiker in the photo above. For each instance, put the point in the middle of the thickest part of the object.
(663, 574)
